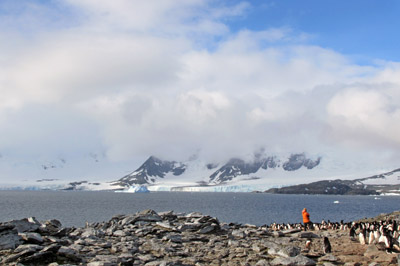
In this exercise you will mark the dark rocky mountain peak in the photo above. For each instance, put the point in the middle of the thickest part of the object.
(296, 161)
(235, 167)
(152, 169)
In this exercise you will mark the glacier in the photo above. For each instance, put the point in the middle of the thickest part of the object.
(134, 189)
(193, 175)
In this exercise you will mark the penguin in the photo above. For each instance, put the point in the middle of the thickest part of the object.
(377, 235)
(342, 225)
(352, 233)
(371, 238)
(308, 244)
(382, 236)
(387, 239)
(327, 245)
(395, 234)
(362, 236)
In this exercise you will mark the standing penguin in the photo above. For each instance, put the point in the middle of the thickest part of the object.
(371, 238)
(362, 236)
(377, 235)
(327, 245)
(308, 244)
(387, 239)
(352, 233)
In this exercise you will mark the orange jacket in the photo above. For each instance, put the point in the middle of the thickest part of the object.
(306, 216)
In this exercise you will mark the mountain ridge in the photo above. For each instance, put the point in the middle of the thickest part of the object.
(259, 172)
(155, 170)
(360, 186)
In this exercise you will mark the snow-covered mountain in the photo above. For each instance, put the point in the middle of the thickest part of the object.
(89, 171)
(259, 172)
(235, 174)
(152, 169)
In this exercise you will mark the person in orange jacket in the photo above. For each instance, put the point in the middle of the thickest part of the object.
(306, 219)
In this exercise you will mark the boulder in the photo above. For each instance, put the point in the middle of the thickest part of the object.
(262, 263)
(286, 251)
(293, 261)
(91, 233)
(119, 233)
(33, 238)
(277, 234)
(52, 248)
(190, 227)
(173, 238)
(6, 227)
(328, 257)
(14, 257)
(28, 247)
(101, 263)
(50, 227)
(148, 216)
(208, 229)
(9, 239)
(166, 225)
(42, 257)
(307, 235)
(238, 233)
(291, 231)
(25, 225)
(69, 253)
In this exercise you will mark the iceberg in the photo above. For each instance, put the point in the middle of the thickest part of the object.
(135, 189)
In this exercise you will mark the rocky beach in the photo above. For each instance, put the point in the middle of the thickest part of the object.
(168, 238)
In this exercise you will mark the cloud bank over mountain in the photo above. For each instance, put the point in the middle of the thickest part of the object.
(171, 78)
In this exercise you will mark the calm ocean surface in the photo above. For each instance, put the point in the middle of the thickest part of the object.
(75, 208)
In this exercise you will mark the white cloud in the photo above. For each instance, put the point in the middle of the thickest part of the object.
(367, 116)
(149, 77)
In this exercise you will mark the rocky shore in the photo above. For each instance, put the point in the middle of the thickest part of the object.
(168, 238)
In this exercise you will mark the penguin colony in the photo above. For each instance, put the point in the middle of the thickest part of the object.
(384, 234)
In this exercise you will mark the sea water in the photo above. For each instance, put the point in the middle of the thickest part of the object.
(74, 208)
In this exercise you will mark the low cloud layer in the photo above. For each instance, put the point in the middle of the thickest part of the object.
(136, 78)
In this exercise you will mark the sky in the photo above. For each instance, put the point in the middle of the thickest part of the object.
(172, 78)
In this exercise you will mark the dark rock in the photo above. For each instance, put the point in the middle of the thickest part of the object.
(307, 235)
(6, 227)
(50, 227)
(25, 225)
(284, 251)
(9, 239)
(238, 234)
(40, 257)
(208, 229)
(33, 238)
(278, 233)
(262, 263)
(28, 247)
(328, 257)
(174, 238)
(291, 231)
(16, 257)
(148, 216)
(62, 232)
(52, 248)
(69, 253)
(293, 261)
